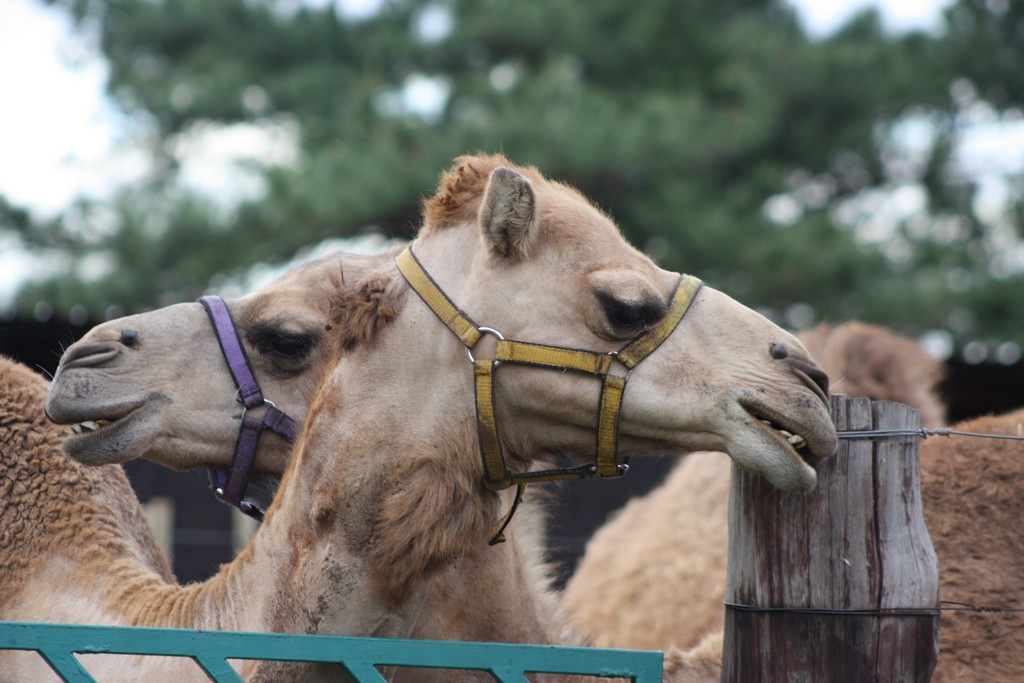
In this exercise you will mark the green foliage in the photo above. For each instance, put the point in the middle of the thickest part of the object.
(679, 118)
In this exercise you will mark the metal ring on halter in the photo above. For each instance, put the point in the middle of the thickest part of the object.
(629, 371)
(219, 490)
(485, 330)
(245, 409)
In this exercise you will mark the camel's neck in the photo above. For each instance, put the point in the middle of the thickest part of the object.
(501, 594)
(236, 598)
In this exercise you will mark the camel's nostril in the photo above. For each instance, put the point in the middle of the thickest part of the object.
(129, 337)
(779, 351)
(813, 377)
(89, 354)
(819, 377)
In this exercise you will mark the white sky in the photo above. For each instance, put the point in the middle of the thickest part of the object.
(58, 135)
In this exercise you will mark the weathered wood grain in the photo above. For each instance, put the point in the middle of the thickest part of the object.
(857, 542)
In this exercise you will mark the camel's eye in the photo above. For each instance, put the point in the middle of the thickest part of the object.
(629, 316)
(285, 348)
(290, 346)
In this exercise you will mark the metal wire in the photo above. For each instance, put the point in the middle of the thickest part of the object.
(867, 612)
(876, 434)
(953, 606)
(945, 606)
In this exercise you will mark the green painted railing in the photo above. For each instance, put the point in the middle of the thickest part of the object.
(58, 644)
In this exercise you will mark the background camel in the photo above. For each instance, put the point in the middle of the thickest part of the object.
(373, 296)
(660, 564)
(869, 361)
(970, 491)
(71, 536)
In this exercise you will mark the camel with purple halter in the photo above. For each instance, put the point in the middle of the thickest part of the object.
(402, 489)
(76, 546)
(156, 386)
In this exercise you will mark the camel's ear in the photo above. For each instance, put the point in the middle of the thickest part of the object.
(507, 214)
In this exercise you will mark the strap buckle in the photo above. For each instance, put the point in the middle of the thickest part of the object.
(486, 330)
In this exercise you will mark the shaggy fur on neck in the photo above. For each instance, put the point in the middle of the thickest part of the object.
(436, 509)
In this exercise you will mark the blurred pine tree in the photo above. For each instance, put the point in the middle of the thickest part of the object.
(722, 139)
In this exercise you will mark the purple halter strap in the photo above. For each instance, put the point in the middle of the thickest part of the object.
(230, 485)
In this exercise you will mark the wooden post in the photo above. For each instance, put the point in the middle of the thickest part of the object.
(857, 544)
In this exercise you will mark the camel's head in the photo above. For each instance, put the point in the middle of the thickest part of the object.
(533, 260)
(387, 467)
(156, 385)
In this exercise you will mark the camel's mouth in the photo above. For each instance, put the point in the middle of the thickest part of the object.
(108, 440)
(104, 433)
(115, 416)
(88, 426)
(795, 440)
(88, 416)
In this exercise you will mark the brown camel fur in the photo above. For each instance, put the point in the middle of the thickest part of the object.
(70, 536)
(973, 506)
(659, 563)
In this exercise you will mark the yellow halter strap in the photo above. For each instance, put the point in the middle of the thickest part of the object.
(607, 462)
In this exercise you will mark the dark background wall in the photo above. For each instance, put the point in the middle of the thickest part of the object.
(202, 527)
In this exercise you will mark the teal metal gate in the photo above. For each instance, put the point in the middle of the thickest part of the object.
(58, 644)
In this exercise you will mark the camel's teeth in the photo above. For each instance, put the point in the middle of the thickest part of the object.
(90, 425)
(794, 440)
(76, 428)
